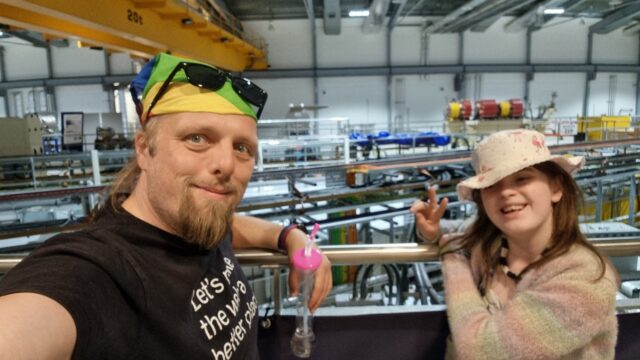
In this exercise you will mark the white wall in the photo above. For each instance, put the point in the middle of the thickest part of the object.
(364, 99)
(23, 60)
(84, 98)
(619, 90)
(120, 63)
(351, 47)
(283, 92)
(70, 61)
(406, 45)
(494, 46)
(426, 97)
(503, 86)
(443, 49)
(568, 86)
(615, 48)
(561, 41)
(288, 42)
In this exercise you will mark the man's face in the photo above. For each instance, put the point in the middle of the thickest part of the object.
(198, 172)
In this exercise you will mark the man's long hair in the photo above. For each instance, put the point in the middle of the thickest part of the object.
(127, 178)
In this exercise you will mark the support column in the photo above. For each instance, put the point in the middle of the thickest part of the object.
(459, 78)
(529, 74)
(50, 90)
(389, 109)
(3, 76)
(590, 75)
(314, 58)
(637, 110)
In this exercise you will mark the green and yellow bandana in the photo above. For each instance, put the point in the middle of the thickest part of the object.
(181, 96)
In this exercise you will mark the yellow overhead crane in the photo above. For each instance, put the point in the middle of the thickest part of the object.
(142, 28)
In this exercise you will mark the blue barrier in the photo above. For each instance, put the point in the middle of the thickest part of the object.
(428, 138)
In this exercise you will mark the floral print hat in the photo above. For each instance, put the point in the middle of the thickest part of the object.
(507, 152)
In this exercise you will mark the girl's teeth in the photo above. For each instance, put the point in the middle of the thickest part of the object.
(512, 208)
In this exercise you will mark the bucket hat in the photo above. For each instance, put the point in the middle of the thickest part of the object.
(507, 152)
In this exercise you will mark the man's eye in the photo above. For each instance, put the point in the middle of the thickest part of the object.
(196, 138)
(243, 148)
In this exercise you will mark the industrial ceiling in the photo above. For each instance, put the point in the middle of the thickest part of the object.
(194, 28)
(449, 15)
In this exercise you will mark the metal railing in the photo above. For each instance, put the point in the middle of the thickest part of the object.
(377, 254)
(368, 254)
(409, 252)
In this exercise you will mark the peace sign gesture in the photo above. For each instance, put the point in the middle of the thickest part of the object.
(428, 214)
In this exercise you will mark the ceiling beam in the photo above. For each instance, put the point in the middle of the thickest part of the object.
(141, 31)
(535, 17)
(616, 19)
(482, 25)
(331, 17)
(377, 14)
(35, 38)
(631, 30)
(484, 13)
(454, 15)
(567, 5)
(398, 6)
(528, 19)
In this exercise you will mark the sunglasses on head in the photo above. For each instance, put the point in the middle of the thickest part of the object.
(204, 76)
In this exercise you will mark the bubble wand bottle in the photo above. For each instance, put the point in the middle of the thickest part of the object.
(305, 261)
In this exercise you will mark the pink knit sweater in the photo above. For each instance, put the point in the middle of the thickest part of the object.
(556, 312)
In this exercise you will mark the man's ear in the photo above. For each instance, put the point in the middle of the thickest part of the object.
(143, 154)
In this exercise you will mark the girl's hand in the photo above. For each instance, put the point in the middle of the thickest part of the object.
(428, 214)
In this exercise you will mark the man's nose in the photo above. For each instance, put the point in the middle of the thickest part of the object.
(222, 161)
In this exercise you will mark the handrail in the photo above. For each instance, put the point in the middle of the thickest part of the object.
(379, 253)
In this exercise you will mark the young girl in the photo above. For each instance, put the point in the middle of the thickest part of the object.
(522, 281)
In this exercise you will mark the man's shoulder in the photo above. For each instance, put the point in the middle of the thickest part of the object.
(92, 236)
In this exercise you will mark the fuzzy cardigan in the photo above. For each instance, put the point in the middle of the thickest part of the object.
(556, 312)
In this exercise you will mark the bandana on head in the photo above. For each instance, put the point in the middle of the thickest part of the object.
(181, 96)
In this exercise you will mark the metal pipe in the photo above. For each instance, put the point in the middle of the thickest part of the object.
(379, 253)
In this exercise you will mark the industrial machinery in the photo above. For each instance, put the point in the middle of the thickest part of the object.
(32, 135)
(372, 142)
(459, 110)
(487, 109)
(604, 128)
(107, 139)
(512, 109)
(488, 116)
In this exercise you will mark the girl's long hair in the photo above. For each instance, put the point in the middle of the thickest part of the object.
(566, 230)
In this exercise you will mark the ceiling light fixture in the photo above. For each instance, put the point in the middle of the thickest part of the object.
(358, 13)
(553, 11)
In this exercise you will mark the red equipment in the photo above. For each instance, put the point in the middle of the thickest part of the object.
(487, 109)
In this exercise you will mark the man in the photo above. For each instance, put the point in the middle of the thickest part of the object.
(154, 277)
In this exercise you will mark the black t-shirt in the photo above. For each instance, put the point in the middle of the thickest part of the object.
(137, 292)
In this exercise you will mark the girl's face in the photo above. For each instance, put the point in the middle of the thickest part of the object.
(521, 205)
